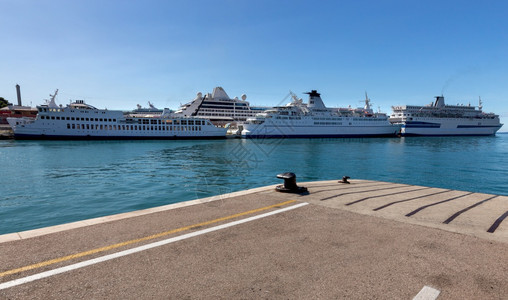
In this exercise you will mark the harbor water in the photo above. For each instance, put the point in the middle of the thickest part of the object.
(47, 183)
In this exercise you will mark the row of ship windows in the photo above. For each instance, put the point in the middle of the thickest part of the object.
(139, 121)
(224, 103)
(292, 118)
(132, 127)
(434, 113)
(228, 113)
(355, 119)
(426, 117)
(77, 119)
(167, 122)
(220, 106)
(63, 110)
(456, 107)
(328, 123)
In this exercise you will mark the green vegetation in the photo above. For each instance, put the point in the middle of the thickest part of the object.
(3, 102)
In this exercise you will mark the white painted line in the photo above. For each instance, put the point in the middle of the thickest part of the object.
(85, 263)
(63, 227)
(427, 293)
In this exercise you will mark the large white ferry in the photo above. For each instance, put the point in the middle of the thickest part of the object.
(440, 119)
(79, 120)
(219, 108)
(314, 119)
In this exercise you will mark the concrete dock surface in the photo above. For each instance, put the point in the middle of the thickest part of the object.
(363, 240)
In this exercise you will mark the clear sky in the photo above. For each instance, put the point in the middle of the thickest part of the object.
(116, 54)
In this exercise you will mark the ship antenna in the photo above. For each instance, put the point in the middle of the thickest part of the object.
(480, 103)
(294, 96)
(53, 96)
(52, 99)
(367, 101)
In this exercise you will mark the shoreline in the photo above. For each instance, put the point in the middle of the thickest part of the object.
(6, 132)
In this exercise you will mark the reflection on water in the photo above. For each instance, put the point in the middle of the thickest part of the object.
(53, 182)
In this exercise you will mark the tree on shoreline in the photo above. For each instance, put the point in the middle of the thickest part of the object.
(3, 102)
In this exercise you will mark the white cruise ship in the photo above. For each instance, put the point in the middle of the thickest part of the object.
(440, 120)
(79, 120)
(151, 110)
(314, 119)
(219, 108)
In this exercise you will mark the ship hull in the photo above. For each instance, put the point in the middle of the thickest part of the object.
(450, 128)
(295, 131)
(27, 129)
(450, 132)
(281, 136)
(112, 137)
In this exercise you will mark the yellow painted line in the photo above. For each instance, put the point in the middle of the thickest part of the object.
(150, 237)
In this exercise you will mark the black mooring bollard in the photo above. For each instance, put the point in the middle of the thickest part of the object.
(289, 184)
(344, 179)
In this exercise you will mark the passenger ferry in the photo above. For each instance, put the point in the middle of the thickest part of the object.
(79, 120)
(314, 119)
(441, 120)
(219, 108)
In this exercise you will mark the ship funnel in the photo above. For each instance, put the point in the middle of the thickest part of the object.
(315, 100)
(18, 93)
(439, 101)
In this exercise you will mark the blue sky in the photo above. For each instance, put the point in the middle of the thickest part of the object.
(117, 54)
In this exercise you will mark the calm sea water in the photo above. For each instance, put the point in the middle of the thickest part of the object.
(53, 182)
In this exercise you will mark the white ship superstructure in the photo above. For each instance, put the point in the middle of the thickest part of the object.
(151, 110)
(441, 120)
(314, 119)
(79, 120)
(219, 108)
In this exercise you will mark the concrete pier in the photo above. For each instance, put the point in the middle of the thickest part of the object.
(6, 132)
(363, 240)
